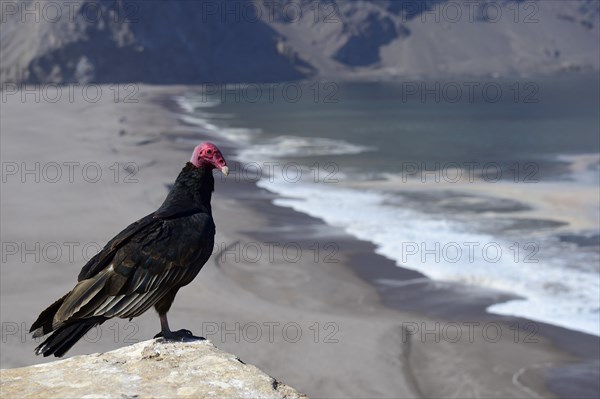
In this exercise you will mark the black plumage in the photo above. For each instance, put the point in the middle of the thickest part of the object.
(144, 265)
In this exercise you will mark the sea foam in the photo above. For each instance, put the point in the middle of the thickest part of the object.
(553, 292)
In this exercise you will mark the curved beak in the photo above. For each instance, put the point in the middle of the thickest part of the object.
(224, 170)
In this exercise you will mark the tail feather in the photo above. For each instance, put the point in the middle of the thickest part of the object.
(43, 324)
(66, 336)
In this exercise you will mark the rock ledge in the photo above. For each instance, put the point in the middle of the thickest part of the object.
(149, 369)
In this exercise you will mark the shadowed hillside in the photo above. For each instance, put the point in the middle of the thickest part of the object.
(268, 41)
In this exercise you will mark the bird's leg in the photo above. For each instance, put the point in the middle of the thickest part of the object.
(162, 307)
(166, 333)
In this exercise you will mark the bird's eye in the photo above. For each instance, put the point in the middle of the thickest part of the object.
(208, 152)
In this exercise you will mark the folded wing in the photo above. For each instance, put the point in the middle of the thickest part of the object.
(135, 270)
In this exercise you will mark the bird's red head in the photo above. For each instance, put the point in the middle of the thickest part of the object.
(207, 155)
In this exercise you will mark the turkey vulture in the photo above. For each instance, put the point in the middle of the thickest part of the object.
(144, 265)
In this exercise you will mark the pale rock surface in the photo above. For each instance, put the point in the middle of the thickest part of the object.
(149, 369)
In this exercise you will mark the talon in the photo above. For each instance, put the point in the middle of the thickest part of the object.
(180, 335)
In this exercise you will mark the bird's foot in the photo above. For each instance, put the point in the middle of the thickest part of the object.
(180, 335)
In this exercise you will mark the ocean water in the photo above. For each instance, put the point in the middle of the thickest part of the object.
(492, 183)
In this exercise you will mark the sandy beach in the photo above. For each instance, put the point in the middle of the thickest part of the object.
(283, 291)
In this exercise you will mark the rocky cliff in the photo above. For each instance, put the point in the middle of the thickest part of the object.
(150, 369)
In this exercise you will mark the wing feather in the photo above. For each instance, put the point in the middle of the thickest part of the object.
(81, 295)
(140, 266)
(107, 304)
(145, 300)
